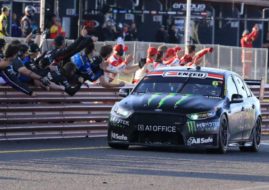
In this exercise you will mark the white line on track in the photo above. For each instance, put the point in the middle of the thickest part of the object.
(262, 187)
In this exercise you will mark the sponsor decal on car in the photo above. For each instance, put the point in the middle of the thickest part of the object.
(200, 75)
(201, 126)
(184, 74)
(191, 126)
(119, 122)
(119, 137)
(199, 140)
(156, 128)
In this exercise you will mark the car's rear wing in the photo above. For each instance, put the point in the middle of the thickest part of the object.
(258, 84)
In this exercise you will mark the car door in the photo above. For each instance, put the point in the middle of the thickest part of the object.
(246, 106)
(250, 113)
(235, 112)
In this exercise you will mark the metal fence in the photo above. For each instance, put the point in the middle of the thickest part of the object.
(224, 57)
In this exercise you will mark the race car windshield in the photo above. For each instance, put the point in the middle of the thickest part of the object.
(206, 86)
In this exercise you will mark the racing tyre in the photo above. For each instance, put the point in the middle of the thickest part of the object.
(223, 136)
(118, 146)
(256, 138)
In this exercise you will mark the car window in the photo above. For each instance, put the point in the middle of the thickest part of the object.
(248, 90)
(231, 88)
(240, 86)
(211, 86)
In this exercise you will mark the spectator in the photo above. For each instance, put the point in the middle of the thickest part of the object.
(16, 29)
(149, 65)
(3, 22)
(56, 28)
(117, 63)
(9, 74)
(2, 46)
(133, 31)
(161, 35)
(129, 33)
(2, 61)
(160, 56)
(27, 20)
(109, 31)
(191, 58)
(126, 35)
(247, 43)
(172, 35)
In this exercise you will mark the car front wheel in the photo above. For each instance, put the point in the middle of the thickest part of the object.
(223, 135)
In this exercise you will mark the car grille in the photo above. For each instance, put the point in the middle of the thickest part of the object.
(158, 128)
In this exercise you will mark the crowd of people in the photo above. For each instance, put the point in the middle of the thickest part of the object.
(27, 24)
(67, 68)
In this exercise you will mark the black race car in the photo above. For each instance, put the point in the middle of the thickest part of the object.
(187, 107)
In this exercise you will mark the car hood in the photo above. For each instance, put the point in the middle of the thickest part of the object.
(170, 102)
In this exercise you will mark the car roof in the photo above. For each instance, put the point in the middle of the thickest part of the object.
(197, 69)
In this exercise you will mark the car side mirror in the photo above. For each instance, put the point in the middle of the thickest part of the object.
(237, 98)
(124, 92)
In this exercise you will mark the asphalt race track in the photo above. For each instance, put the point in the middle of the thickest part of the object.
(82, 164)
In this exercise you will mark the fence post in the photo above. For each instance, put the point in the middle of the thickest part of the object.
(266, 65)
(218, 61)
(204, 60)
(255, 63)
(231, 59)
(134, 54)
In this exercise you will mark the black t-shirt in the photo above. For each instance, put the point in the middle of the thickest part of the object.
(57, 77)
(33, 66)
(17, 64)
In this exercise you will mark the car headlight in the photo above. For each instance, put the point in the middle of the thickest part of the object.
(122, 111)
(202, 115)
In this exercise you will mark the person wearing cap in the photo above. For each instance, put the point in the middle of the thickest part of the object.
(117, 64)
(172, 57)
(247, 43)
(3, 21)
(56, 28)
(149, 65)
(192, 58)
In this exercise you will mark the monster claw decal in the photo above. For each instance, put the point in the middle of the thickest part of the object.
(153, 97)
(191, 127)
(166, 98)
(181, 100)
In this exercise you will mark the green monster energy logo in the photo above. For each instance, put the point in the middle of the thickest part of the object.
(165, 98)
(181, 100)
(154, 96)
(191, 127)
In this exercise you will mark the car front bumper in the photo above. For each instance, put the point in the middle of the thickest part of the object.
(160, 130)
